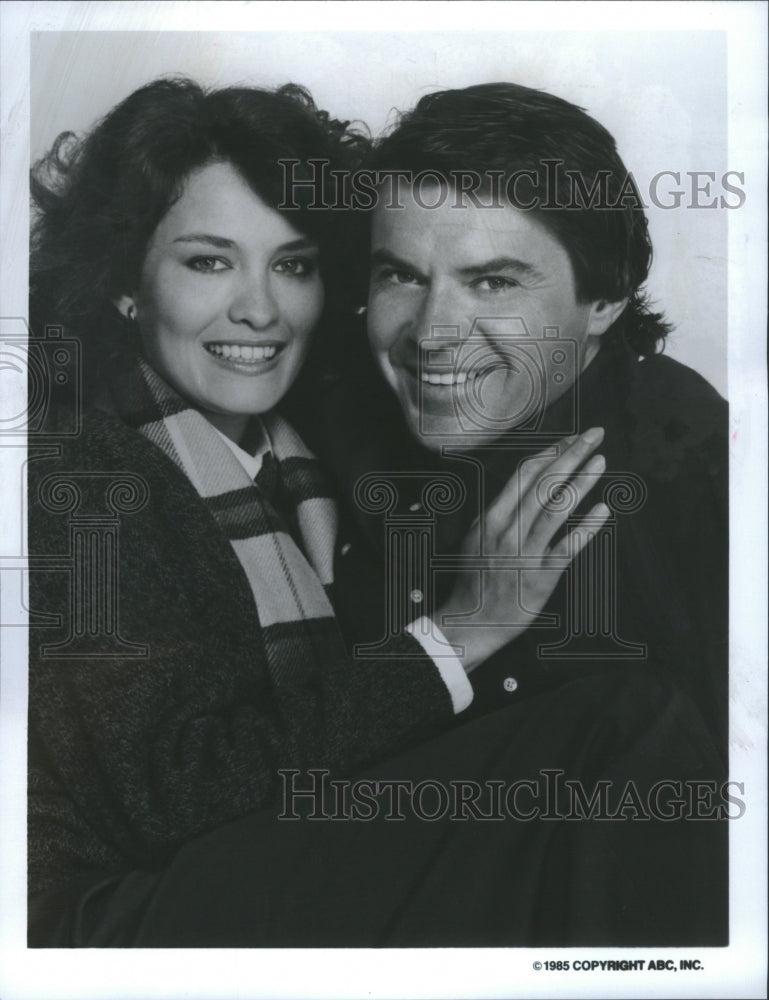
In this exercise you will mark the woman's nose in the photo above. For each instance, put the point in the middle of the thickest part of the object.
(254, 303)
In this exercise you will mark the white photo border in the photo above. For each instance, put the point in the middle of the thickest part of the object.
(736, 971)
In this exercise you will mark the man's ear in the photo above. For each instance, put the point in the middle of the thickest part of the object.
(126, 306)
(602, 315)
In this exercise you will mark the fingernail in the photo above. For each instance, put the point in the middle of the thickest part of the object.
(593, 436)
(600, 510)
(596, 464)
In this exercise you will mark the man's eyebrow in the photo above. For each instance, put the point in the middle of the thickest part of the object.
(221, 242)
(386, 257)
(500, 264)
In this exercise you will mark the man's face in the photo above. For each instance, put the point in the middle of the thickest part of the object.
(464, 303)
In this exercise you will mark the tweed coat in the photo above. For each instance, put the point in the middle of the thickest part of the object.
(152, 717)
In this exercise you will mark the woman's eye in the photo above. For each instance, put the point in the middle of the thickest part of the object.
(207, 265)
(298, 267)
(495, 283)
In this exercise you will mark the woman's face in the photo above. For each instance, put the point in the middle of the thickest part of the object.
(228, 297)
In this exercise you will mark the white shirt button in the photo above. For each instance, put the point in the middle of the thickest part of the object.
(510, 684)
(415, 507)
(345, 548)
(417, 596)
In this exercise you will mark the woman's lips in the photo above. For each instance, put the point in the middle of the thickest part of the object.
(244, 352)
(246, 358)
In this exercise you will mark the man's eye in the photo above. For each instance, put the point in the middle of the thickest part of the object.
(207, 265)
(298, 267)
(495, 283)
(397, 276)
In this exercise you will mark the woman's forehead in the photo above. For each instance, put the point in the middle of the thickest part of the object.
(217, 200)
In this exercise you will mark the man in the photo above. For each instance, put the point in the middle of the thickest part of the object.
(506, 313)
(506, 323)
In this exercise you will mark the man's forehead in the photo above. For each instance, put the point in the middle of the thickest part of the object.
(458, 229)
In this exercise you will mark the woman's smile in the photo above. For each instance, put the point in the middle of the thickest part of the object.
(245, 358)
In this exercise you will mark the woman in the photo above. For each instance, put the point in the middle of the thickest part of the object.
(163, 224)
(187, 652)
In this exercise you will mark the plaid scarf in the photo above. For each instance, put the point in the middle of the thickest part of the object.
(290, 585)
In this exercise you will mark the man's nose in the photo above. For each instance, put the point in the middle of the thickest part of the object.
(440, 318)
(253, 303)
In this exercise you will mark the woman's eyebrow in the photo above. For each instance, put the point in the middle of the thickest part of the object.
(221, 242)
(215, 241)
(303, 243)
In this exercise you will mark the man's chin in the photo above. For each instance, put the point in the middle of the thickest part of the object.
(435, 432)
(439, 416)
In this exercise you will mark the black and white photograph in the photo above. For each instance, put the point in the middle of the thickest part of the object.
(383, 550)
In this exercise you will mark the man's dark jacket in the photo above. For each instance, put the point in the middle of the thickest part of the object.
(666, 456)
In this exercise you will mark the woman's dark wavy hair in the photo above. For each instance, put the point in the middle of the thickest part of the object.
(98, 200)
(509, 128)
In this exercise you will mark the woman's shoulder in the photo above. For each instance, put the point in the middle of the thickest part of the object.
(96, 460)
(95, 437)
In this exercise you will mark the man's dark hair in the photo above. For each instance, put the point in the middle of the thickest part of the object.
(507, 129)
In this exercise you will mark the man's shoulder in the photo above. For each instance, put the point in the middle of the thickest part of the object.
(675, 417)
(661, 377)
(668, 393)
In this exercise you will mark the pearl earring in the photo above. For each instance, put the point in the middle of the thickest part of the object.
(131, 312)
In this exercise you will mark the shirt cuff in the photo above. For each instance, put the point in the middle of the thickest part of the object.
(441, 652)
